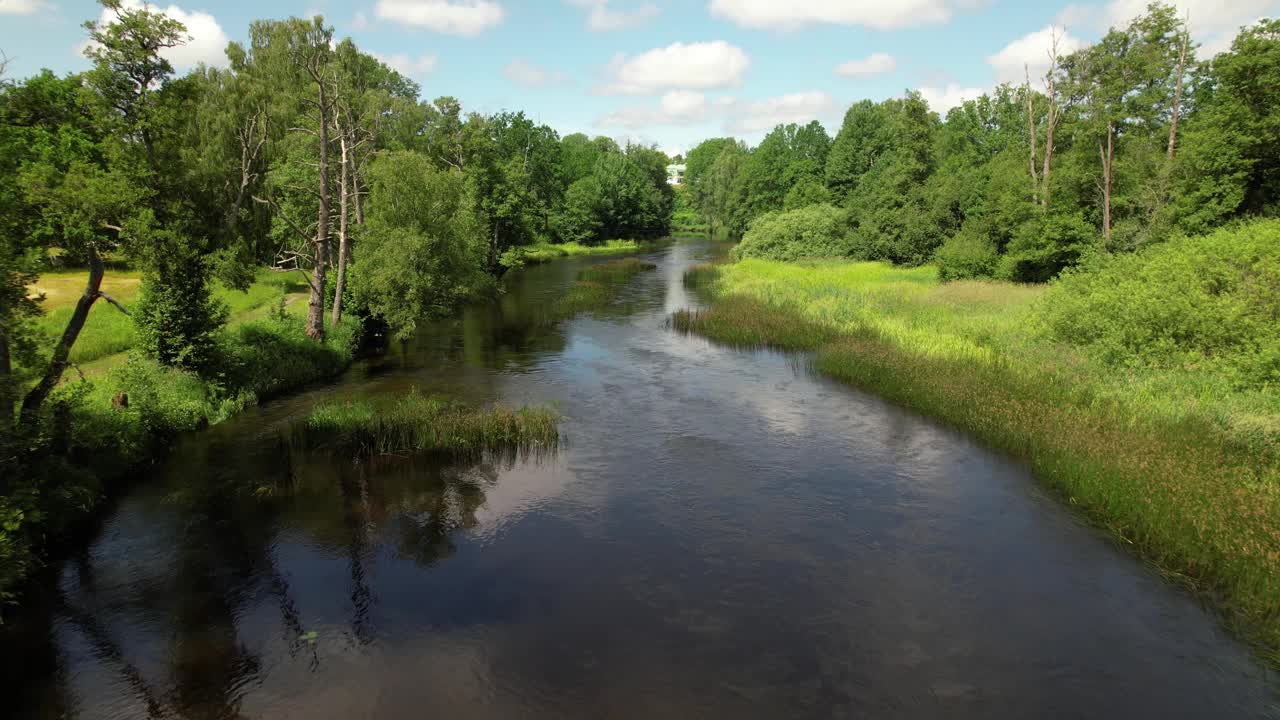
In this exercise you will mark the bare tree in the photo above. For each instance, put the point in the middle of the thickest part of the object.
(1108, 156)
(1051, 122)
(1177, 95)
(1031, 136)
(312, 57)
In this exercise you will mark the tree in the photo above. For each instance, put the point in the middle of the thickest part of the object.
(423, 249)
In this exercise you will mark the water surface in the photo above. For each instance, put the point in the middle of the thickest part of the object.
(723, 535)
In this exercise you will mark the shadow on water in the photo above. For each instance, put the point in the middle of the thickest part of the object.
(724, 535)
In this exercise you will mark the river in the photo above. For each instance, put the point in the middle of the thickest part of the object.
(722, 535)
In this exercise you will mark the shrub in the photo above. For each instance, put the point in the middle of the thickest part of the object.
(1206, 301)
(1044, 246)
(817, 231)
(966, 256)
(268, 357)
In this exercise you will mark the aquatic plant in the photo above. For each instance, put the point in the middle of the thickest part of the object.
(415, 423)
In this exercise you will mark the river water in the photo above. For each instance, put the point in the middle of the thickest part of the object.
(723, 534)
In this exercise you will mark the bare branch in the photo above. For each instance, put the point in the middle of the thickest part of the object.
(114, 302)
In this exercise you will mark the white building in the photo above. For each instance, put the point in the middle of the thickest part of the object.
(675, 174)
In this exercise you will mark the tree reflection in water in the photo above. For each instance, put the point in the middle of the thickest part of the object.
(186, 621)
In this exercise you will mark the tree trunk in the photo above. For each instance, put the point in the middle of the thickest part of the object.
(1031, 137)
(357, 205)
(1177, 97)
(315, 305)
(1051, 125)
(34, 400)
(1108, 155)
(340, 282)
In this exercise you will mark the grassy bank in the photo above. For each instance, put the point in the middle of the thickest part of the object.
(418, 424)
(128, 408)
(1177, 463)
(107, 331)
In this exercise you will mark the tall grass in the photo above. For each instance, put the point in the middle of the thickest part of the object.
(418, 424)
(546, 252)
(1168, 461)
(616, 271)
(597, 285)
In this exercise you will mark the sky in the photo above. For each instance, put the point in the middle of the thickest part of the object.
(664, 72)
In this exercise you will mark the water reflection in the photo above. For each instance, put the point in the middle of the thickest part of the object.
(724, 535)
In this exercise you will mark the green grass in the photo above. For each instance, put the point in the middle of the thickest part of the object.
(419, 424)
(1172, 462)
(546, 252)
(108, 332)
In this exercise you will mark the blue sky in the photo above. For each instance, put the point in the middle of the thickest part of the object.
(669, 72)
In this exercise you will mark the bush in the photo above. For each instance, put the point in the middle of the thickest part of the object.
(817, 231)
(1210, 301)
(966, 256)
(1044, 246)
(272, 356)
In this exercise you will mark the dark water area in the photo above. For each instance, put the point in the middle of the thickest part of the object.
(722, 535)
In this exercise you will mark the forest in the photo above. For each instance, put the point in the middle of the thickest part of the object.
(306, 170)
(1121, 146)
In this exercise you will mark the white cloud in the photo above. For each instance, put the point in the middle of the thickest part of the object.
(21, 7)
(678, 107)
(1031, 51)
(689, 107)
(453, 17)
(876, 14)
(602, 18)
(793, 108)
(409, 66)
(521, 72)
(680, 66)
(1073, 15)
(876, 64)
(206, 43)
(1207, 16)
(1214, 23)
(360, 22)
(942, 99)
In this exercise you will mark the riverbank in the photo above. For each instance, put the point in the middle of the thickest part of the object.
(117, 412)
(1172, 463)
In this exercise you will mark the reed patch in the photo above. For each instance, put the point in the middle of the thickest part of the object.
(417, 424)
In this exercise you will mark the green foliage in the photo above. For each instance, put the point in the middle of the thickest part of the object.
(275, 355)
(422, 251)
(579, 218)
(1044, 246)
(966, 256)
(1211, 301)
(177, 317)
(817, 231)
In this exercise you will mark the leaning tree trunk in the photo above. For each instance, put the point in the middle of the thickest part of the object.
(315, 305)
(340, 282)
(34, 400)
